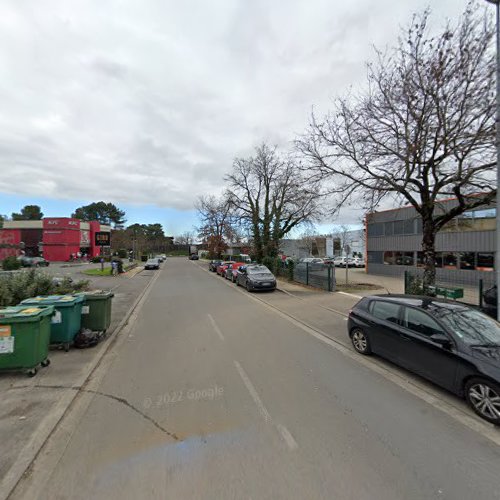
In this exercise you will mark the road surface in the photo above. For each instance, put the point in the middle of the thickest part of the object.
(212, 394)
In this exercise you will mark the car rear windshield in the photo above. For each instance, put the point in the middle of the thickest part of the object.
(258, 270)
(473, 327)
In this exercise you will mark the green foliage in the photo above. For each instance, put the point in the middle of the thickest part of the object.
(122, 253)
(17, 287)
(11, 263)
(105, 213)
(290, 269)
(97, 259)
(29, 212)
(178, 253)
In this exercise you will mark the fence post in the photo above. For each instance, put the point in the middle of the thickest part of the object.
(406, 281)
(307, 273)
(329, 278)
(481, 293)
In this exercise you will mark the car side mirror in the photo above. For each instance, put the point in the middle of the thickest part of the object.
(441, 339)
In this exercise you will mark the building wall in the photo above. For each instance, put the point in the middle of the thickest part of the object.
(471, 236)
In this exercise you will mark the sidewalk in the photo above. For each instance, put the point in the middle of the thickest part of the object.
(31, 407)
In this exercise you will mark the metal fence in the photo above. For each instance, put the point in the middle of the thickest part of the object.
(316, 275)
(468, 290)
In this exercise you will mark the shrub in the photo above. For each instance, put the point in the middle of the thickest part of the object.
(290, 269)
(122, 253)
(11, 263)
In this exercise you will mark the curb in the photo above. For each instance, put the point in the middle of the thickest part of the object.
(40, 436)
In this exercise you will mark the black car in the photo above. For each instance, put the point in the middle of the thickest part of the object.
(214, 264)
(490, 298)
(255, 277)
(193, 256)
(451, 344)
(152, 264)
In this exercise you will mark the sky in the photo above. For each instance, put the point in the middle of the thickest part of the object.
(146, 103)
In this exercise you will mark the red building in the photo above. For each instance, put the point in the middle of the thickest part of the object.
(54, 238)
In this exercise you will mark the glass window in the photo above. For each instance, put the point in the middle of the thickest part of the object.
(399, 227)
(386, 311)
(488, 213)
(439, 259)
(389, 258)
(398, 258)
(376, 229)
(420, 259)
(449, 260)
(420, 322)
(485, 261)
(389, 228)
(376, 257)
(472, 326)
(408, 259)
(467, 260)
(409, 226)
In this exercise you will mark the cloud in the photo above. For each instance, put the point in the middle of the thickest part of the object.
(148, 103)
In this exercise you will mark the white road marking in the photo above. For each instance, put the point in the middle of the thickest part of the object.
(351, 295)
(285, 433)
(253, 392)
(216, 328)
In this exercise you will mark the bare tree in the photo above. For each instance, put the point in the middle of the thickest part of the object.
(186, 238)
(271, 196)
(423, 130)
(308, 240)
(215, 228)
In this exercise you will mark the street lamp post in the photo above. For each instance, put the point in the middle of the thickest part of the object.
(497, 252)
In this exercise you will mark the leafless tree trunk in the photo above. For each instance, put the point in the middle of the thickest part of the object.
(422, 131)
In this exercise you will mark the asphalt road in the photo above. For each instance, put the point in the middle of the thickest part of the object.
(212, 394)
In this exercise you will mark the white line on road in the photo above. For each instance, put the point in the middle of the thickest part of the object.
(216, 328)
(285, 433)
(253, 392)
(351, 295)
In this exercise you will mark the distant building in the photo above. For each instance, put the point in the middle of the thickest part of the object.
(54, 238)
(465, 246)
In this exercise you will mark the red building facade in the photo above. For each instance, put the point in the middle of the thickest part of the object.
(54, 238)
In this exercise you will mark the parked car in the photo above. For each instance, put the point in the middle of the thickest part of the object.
(212, 266)
(358, 262)
(152, 264)
(343, 261)
(193, 256)
(221, 268)
(449, 343)
(255, 277)
(33, 261)
(232, 269)
(160, 258)
(490, 304)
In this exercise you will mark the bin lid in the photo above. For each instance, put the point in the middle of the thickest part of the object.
(96, 294)
(55, 300)
(17, 314)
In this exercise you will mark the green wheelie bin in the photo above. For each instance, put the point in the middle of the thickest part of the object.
(67, 319)
(25, 337)
(96, 310)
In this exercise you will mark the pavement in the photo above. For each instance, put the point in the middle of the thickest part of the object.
(31, 407)
(211, 392)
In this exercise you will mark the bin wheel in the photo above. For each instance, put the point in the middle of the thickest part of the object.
(32, 372)
(66, 346)
(45, 362)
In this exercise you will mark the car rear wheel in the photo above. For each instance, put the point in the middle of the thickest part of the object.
(484, 398)
(248, 287)
(360, 341)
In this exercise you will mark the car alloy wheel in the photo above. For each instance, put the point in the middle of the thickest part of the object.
(360, 341)
(484, 397)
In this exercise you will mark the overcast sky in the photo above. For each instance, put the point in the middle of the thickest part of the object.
(145, 103)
